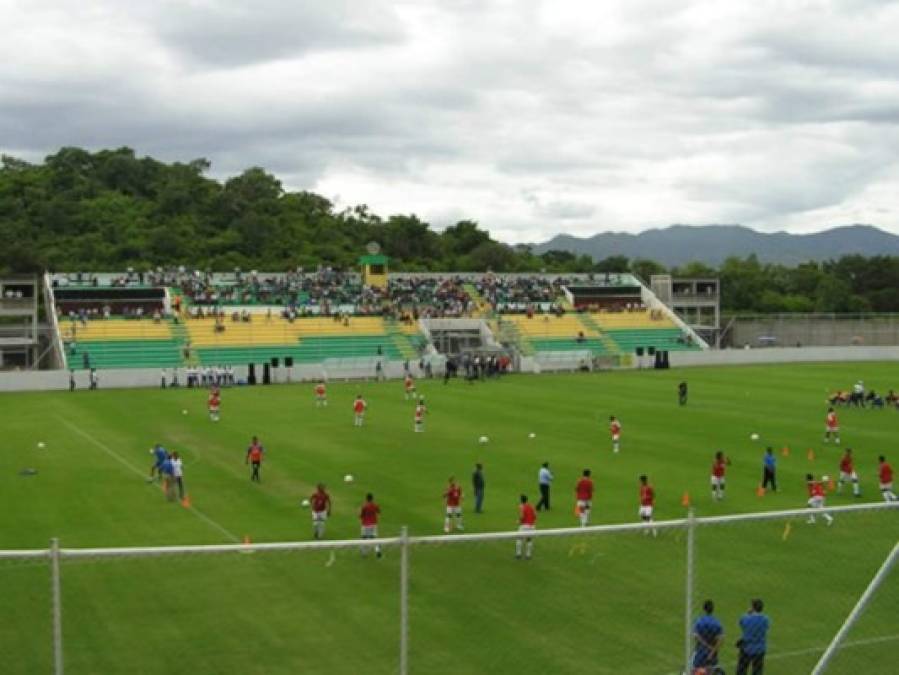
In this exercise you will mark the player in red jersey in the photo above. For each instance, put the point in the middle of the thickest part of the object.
(719, 468)
(527, 522)
(584, 495)
(409, 386)
(816, 498)
(831, 427)
(420, 411)
(215, 401)
(453, 499)
(647, 502)
(886, 480)
(359, 406)
(320, 501)
(847, 472)
(254, 457)
(368, 516)
(321, 395)
(615, 431)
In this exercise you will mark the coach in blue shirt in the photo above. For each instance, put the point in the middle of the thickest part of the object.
(708, 632)
(753, 641)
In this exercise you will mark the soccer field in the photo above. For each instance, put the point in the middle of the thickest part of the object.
(584, 604)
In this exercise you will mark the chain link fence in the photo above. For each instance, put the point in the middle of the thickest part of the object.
(626, 598)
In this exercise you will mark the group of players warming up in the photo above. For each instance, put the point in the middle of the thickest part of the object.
(369, 513)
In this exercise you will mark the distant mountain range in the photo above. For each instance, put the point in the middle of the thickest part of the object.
(711, 244)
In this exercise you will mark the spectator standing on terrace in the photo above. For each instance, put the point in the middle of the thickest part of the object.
(94, 379)
(71, 380)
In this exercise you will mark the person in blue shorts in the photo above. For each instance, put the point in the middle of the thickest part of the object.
(709, 634)
(159, 456)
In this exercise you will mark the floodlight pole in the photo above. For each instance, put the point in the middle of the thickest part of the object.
(404, 601)
(57, 606)
(856, 612)
(688, 590)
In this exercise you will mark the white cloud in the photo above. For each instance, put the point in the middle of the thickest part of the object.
(531, 116)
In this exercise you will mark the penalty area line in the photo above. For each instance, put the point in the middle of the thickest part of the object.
(116, 456)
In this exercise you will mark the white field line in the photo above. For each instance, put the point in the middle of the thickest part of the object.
(818, 650)
(143, 474)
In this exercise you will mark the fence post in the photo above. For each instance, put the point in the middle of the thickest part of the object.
(856, 612)
(57, 606)
(688, 590)
(404, 601)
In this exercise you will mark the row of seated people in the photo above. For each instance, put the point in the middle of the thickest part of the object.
(81, 313)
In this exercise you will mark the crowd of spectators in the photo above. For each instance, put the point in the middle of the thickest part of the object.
(327, 291)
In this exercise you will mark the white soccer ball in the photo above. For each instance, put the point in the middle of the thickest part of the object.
(754, 437)
(41, 444)
(348, 478)
(151, 451)
(483, 439)
(532, 435)
(305, 503)
(825, 478)
(184, 412)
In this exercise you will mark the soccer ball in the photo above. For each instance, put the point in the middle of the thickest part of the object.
(754, 437)
(305, 503)
(532, 435)
(348, 478)
(41, 444)
(184, 412)
(483, 439)
(825, 478)
(151, 451)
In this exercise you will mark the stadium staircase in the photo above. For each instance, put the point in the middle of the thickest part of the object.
(401, 336)
(506, 332)
(482, 308)
(609, 345)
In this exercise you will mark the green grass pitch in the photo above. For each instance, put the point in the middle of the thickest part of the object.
(611, 604)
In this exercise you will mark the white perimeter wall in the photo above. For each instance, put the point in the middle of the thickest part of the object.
(135, 377)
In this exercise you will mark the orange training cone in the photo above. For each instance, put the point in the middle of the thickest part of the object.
(186, 502)
(246, 539)
(685, 500)
(811, 455)
(785, 452)
(760, 491)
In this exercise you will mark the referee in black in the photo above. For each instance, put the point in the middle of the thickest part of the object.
(682, 393)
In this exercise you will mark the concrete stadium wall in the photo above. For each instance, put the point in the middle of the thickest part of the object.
(812, 331)
(733, 357)
(132, 378)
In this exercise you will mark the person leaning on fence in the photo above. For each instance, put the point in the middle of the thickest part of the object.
(753, 639)
(708, 633)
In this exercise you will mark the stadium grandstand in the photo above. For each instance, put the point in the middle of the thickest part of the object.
(181, 318)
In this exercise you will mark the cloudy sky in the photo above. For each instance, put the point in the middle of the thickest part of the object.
(532, 117)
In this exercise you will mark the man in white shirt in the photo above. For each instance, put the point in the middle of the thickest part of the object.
(178, 474)
(544, 480)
